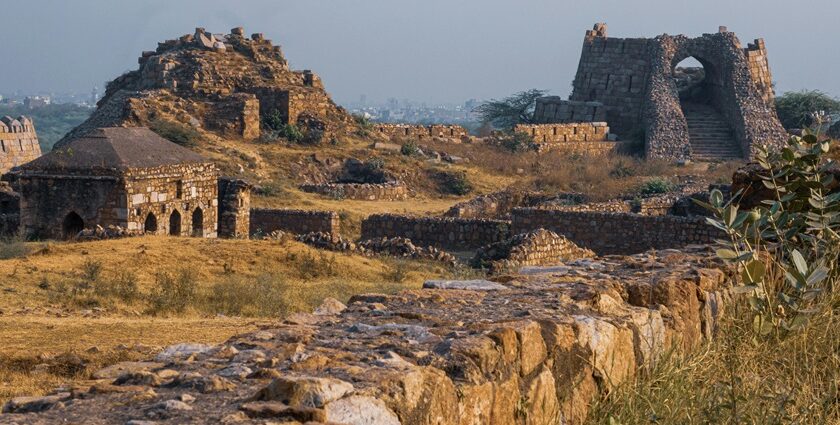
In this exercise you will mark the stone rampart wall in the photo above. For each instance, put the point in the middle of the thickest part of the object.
(359, 191)
(264, 221)
(616, 233)
(18, 142)
(566, 133)
(554, 109)
(756, 54)
(448, 233)
(421, 132)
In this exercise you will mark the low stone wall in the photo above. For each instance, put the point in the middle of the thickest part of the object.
(616, 233)
(264, 221)
(421, 132)
(564, 133)
(360, 191)
(537, 248)
(448, 233)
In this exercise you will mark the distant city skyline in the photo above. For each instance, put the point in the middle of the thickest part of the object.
(437, 51)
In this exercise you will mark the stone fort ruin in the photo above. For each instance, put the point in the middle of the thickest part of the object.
(18, 142)
(723, 111)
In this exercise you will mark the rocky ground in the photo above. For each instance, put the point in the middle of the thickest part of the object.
(556, 337)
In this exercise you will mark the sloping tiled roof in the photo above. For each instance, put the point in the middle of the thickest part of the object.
(117, 148)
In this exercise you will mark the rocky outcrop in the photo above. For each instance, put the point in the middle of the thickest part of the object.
(534, 349)
(223, 84)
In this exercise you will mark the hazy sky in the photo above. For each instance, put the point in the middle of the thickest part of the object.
(427, 50)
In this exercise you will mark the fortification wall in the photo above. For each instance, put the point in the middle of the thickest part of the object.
(264, 221)
(441, 232)
(18, 142)
(537, 248)
(588, 138)
(756, 54)
(614, 72)
(421, 132)
(234, 208)
(394, 191)
(554, 109)
(616, 233)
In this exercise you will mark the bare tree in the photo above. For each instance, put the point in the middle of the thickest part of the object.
(510, 111)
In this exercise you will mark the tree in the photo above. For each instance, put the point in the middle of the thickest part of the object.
(510, 111)
(795, 108)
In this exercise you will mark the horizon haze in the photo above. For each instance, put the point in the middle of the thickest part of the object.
(435, 51)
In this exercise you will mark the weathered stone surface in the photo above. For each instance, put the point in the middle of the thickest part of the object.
(114, 371)
(551, 343)
(34, 404)
(469, 285)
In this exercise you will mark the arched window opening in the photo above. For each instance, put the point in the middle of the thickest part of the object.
(175, 223)
(198, 223)
(73, 224)
(150, 226)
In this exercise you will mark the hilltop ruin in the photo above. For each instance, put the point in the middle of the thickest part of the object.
(18, 141)
(220, 83)
(724, 111)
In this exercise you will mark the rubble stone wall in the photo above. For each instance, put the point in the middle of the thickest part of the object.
(616, 233)
(18, 142)
(299, 222)
(421, 132)
(537, 248)
(234, 208)
(393, 191)
(565, 133)
(441, 232)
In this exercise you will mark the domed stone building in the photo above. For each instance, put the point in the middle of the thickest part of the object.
(127, 177)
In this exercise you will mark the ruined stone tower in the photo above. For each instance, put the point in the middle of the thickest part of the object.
(18, 142)
(632, 82)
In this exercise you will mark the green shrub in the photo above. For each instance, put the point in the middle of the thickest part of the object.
(173, 293)
(274, 120)
(795, 108)
(123, 286)
(517, 142)
(656, 186)
(410, 149)
(455, 183)
(177, 133)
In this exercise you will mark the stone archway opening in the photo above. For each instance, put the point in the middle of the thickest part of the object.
(198, 223)
(175, 223)
(700, 89)
(72, 225)
(150, 225)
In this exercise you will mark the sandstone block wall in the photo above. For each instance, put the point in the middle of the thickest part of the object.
(234, 208)
(756, 53)
(616, 233)
(566, 133)
(441, 232)
(554, 109)
(393, 191)
(421, 132)
(264, 221)
(183, 199)
(18, 142)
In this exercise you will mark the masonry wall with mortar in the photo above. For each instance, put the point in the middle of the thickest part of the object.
(234, 208)
(633, 79)
(554, 109)
(440, 232)
(616, 233)
(421, 132)
(360, 191)
(170, 197)
(300, 222)
(18, 142)
(536, 248)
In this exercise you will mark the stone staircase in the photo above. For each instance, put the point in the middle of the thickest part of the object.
(710, 136)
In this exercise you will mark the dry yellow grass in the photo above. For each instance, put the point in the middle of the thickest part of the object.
(41, 326)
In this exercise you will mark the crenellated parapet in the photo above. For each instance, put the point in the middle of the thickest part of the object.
(18, 142)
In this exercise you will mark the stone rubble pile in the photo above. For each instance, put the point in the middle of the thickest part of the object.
(536, 349)
(330, 242)
(537, 248)
(102, 233)
(404, 248)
